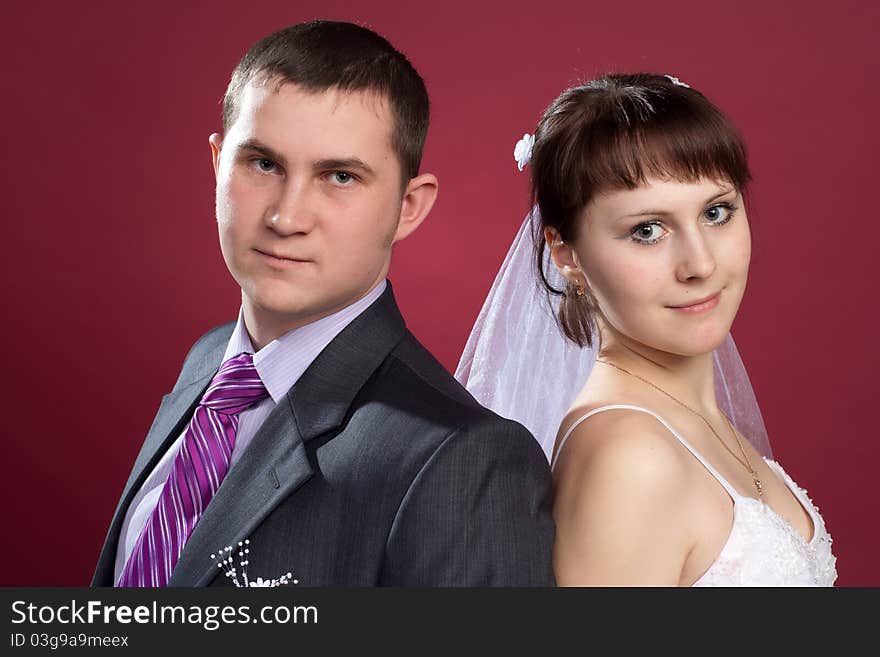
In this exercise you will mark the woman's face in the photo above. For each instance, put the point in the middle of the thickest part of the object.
(666, 262)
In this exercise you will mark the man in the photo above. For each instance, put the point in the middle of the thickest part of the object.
(316, 431)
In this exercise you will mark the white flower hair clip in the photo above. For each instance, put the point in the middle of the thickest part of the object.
(678, 83)
(225, 562)
(522, 152)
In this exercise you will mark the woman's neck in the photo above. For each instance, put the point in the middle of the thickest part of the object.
(688, 379)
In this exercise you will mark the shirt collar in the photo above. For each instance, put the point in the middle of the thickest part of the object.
(281, 362)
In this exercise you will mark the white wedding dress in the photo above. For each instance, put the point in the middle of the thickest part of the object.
(762, 548)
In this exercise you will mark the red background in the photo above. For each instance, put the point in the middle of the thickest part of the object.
(111, 266)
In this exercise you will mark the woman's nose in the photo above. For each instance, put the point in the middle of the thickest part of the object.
(696, 258)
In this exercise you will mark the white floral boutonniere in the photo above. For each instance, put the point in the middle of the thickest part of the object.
(224, 559)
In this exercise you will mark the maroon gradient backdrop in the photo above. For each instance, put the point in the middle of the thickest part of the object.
(112, 269)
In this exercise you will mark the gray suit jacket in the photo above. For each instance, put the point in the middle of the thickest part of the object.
(377, 469)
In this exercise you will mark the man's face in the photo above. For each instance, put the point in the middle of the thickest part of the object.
(308, 200)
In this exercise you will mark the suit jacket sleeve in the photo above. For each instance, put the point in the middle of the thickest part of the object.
(477, 514)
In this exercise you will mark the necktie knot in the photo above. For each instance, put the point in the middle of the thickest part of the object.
(235, 387)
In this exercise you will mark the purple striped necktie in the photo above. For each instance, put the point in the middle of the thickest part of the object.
(199, 467)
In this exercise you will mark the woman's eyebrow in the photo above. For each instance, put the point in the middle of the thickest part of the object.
(720, 194)
(642, 213)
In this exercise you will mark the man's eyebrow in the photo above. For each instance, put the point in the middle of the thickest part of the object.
(259, 147)
(643, 213)
(344, 163)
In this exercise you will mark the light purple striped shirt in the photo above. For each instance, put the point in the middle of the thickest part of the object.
(279, 364)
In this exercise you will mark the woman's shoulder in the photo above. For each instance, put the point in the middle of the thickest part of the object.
(621, 476)
(613, 440)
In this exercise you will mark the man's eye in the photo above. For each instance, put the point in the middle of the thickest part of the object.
(264, 165)
(342, 177)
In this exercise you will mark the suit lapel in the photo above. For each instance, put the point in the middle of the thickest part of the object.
(175, 410)
(322, 396)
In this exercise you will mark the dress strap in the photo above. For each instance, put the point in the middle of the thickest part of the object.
(730, 489)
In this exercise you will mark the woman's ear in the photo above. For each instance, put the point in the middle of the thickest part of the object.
(564, 258)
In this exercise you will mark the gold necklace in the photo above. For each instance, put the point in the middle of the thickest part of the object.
(747, 464)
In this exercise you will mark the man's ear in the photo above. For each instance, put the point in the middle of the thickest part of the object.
(216, 142)
(418, 199)
(564, 258)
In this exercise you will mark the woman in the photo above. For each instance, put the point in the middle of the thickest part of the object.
(661, 467)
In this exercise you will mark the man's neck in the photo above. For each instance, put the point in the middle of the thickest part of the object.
(263, 325)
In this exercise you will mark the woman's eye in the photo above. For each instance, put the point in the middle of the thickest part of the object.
(720, 214)
(647, 233)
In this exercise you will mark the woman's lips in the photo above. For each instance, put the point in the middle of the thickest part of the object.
(706, 303)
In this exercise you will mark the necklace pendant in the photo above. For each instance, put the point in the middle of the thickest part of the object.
(758, 485)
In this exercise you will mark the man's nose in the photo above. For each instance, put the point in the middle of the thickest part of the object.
(294, 211)
(696, 258)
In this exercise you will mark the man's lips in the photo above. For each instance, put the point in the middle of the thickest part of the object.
(700, 304)
(280, 257)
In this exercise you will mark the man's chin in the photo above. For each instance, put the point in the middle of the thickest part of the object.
(287, 309)
(288, 306)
